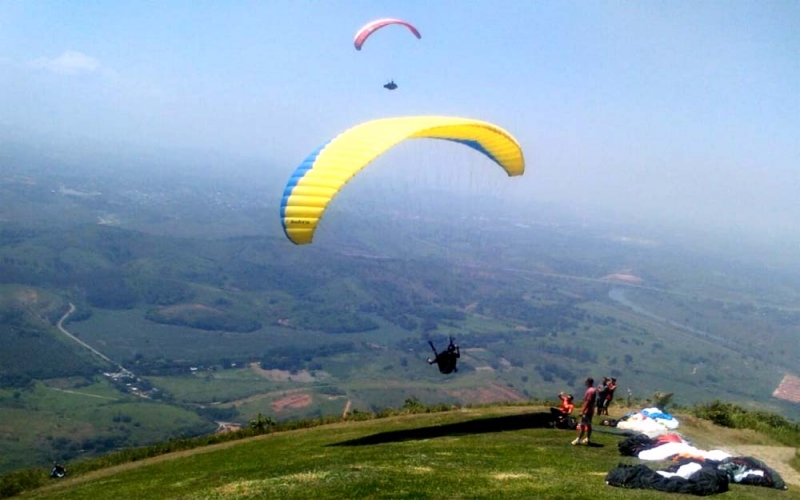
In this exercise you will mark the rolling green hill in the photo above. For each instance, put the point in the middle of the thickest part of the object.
(32, 347)
(498, 452)
(218, 317)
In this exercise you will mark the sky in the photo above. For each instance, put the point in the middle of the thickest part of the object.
(675, 112)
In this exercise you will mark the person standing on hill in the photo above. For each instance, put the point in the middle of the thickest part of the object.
(612, 386)
(602, 390)
(587, 412)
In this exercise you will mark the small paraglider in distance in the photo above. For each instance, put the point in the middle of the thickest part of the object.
(445, 359)
(58, 471)
(372, 26)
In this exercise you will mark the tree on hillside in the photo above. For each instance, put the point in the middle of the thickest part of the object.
(262, 423)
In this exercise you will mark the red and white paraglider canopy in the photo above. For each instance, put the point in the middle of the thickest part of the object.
(372, 26)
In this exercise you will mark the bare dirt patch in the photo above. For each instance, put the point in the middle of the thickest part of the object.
(82, 393)
(290, 402)
(788, 389)
(283, 375)
(470, 307)
(624, 278)
(223, 427)
(495, 393)
(181, 308)
(27, 297)
(346, 409)
(509, 475)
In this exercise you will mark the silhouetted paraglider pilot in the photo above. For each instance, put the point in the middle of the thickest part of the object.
(446, 359)
(58, 471)
(390, 86)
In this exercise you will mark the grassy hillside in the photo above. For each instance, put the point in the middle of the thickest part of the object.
(32, 347)
(62, 419)
(358, 326)
(157, 304)
(499, 452)
(189, 284)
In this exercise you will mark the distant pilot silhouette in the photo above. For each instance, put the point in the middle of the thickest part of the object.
(446, 359)
(390, 86)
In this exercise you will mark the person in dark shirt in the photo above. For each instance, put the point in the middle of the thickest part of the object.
(612, 386)
(602, 389)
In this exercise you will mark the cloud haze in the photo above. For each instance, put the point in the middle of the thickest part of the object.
(667, 112)
(68, 63)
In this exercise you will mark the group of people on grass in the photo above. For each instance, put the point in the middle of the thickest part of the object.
(594, 399)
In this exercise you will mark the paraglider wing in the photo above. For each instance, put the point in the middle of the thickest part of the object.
(372, 26)
(325, 171)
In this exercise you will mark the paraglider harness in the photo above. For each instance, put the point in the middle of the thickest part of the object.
(565, 422)
(446, 359)
(58, 471)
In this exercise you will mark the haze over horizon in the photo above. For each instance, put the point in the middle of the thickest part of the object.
(677, 114)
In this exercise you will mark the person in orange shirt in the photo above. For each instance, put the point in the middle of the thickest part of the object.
(563, 412)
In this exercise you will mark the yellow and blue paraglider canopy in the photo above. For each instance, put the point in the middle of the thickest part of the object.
(320, 177)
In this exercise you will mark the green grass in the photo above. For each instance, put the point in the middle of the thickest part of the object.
(258, 278)
(218, 386)
(497, 452)
(63, 418)
(123, 334)
(735, 321)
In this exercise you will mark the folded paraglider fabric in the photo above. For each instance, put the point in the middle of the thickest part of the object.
(633, 445)
(668, 450)
(749, 470)
(702, 481)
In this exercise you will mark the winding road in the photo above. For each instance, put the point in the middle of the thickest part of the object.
(618, 295)
(60, 326)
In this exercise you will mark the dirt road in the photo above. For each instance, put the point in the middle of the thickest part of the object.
(60, 326)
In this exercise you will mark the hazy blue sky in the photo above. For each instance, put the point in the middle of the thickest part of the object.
(680, 110)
